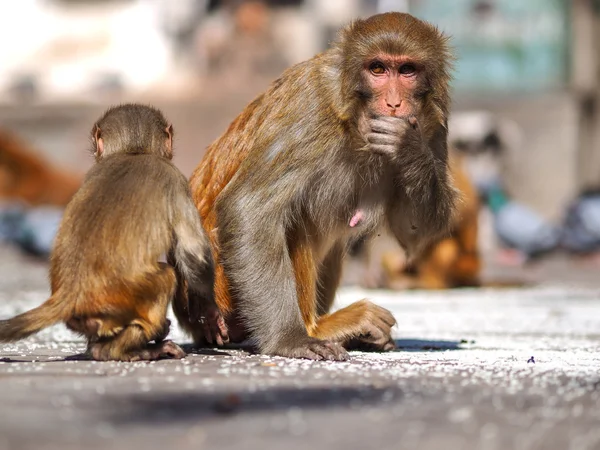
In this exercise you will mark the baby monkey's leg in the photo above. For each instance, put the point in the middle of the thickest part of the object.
(131, 344)
(150, 323)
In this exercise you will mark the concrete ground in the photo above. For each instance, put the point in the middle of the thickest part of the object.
(476, 369)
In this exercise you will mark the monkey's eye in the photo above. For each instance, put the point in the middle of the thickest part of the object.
(377, 68)
(407, 69)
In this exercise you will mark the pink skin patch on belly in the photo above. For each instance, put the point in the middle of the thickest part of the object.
(356, 218)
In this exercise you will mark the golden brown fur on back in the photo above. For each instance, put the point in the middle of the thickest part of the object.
(100, 240)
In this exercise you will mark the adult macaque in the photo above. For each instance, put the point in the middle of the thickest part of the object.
(358, 128)
(106, 279)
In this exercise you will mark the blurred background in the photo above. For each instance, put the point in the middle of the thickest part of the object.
(525, 129)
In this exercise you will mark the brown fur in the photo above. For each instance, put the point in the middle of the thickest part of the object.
(133, 207)
(27, 177)
(277, 190)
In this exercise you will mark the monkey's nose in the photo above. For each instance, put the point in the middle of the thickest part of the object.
(393, 105)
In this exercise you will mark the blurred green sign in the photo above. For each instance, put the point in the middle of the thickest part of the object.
(503, 44)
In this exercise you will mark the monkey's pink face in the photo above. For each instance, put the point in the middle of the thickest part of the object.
(393, 81)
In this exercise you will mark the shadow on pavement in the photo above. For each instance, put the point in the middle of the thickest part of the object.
(403, 345)
(420, 345)
(191, 350)
(191, 407)
(407, 345)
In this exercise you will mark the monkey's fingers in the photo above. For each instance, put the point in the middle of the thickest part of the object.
(166, 350)
(384, 316)
(214, 327)
(208, 336)
(223, 332)
(316, 349)
(207, 324)
(338, 353)
(211, 334)
(331, 351)
(380, 335)
(380, 327)
(375, 336)
(388, 125)
(391, 140)
(412, 120)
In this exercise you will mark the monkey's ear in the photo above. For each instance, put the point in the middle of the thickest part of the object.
(169, 143)
(99, 142)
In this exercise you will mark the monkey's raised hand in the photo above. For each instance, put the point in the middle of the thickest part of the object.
(388, 135)
(424, 202)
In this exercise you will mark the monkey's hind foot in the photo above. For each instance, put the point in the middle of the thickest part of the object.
(374, 330)
(162, 350)
(103, 351)
(361, 326)
(315, 349)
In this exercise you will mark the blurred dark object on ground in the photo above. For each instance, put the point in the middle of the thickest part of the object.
(519, 227)
(31, 229)
(581, 228)
(27, 177)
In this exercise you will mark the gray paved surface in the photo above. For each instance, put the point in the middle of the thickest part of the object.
(460, 381)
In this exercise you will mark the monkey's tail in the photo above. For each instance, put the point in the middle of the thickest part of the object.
(30, 322)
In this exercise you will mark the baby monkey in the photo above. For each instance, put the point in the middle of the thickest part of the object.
(106, 280)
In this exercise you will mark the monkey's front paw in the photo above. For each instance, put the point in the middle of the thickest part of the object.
(375, 330)
(164, 350)
(108, 351)
(388, 134)
(213, 326)
(315, 349)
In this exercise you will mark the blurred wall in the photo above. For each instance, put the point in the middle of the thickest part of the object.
(531, 61)
(514, 59)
